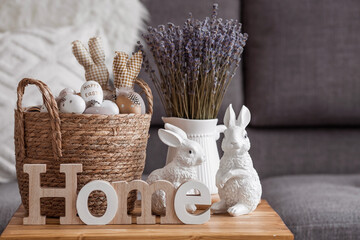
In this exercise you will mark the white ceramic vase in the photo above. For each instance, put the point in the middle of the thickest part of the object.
(205, 132)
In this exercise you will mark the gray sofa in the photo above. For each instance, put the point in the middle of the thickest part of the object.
(301, 80)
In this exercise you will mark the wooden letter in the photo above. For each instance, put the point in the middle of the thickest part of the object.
(181, 199)
(123, 188)
(36, 192)
(82, 203)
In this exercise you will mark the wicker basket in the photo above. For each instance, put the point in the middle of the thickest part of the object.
(110, 147)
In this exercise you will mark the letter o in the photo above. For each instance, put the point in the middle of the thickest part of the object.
(82, 203)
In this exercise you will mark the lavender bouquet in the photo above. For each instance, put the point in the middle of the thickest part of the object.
(195, 64)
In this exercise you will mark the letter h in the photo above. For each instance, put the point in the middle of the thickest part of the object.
(36, 192)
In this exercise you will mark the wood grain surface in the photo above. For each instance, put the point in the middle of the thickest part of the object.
(263, 223)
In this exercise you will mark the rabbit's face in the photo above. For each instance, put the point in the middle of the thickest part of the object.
(190, 154)
(235, 139)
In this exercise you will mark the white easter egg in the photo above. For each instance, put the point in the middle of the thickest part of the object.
(99, 110)
(63, 93)
(66, 91)
(72, 104)
(43, 108)
(92, 91)
(111, 105)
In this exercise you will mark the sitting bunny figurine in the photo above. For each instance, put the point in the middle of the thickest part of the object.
(237, 180)
(181, 169)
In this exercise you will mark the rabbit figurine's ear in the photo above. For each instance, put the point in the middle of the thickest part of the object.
(175, 129)
(119, 68)
(170, 138)
(93, 60)
(96, 50)
(244, 117)
(135, 63)
(229, 118)
(125, 70)
(81, 54)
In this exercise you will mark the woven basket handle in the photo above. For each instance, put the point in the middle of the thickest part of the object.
(145, 87)
(52, 108)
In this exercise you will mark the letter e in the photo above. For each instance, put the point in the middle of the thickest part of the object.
(181, 200)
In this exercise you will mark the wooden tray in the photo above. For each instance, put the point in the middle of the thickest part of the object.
(263, 223)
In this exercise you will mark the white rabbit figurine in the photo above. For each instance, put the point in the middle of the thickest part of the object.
(181, 169)
(237, 180)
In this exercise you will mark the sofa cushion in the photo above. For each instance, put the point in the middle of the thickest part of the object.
(302, 62)
(317, 206)
(156, 152)
(288, 151)
(9, 202)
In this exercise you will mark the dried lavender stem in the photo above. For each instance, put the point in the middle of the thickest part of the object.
(195, 64)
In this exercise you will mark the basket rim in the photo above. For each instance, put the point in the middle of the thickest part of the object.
(89, 115)
(55, 115)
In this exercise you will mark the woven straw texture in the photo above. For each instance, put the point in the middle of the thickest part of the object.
(110, 147)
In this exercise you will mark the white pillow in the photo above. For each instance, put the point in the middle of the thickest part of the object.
(121, 20)
(44, 54)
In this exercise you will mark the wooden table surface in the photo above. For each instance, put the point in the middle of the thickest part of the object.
(263, 223)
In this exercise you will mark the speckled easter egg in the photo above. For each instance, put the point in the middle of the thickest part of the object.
(66, 91)
(92, 91)
(33, 109)
(141, 101)
(128, 104)
(111, 105)
(43, 108)
(72, 104)
(99, 110)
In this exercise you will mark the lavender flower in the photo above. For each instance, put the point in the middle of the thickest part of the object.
(195, 63)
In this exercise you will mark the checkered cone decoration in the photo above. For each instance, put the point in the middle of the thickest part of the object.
(125, 70)
(93, 62)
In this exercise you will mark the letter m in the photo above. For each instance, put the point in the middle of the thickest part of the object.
(123, 188)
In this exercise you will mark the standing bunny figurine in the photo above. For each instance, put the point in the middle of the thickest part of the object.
(125, 72)
(181, 169)
(237, 180)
